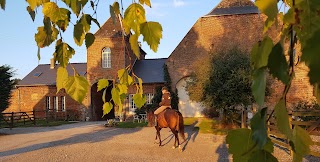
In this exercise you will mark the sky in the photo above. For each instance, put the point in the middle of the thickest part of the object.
(18, 48)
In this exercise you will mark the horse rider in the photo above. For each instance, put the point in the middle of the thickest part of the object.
(165, 102)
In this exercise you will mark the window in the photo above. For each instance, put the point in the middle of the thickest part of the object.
(63, 103)
(37, 74)
(106, 58)
(48, 103)
(55, 103)
(132, 106)
(149, 97)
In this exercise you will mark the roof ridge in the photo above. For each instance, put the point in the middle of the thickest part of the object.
(70, 63)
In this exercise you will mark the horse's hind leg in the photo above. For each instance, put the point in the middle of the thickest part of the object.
(176, 138)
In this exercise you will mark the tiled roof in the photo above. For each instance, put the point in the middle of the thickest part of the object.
(43, 75)
(150, 70)
(233, 7)
(108, 29)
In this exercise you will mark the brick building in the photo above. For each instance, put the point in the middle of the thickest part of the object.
(232, 23)
(109, 53)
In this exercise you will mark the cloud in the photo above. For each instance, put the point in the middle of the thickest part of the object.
(178, 3)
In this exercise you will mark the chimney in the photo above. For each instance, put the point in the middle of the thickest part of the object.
(52, 63)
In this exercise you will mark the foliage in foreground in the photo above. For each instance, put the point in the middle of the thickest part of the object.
(301, 26)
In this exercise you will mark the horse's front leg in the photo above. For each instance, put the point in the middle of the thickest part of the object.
(155, 140)
(159, 137)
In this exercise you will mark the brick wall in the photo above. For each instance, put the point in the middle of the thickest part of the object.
(220, 33)
(34, 98)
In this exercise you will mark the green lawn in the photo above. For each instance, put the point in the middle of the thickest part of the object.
(206, 125)
(189, 121)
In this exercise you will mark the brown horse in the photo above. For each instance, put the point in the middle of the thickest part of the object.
(172, 119)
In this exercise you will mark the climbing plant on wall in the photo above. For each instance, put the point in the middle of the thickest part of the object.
(167, 83)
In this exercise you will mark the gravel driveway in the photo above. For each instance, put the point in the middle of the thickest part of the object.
(91, 141)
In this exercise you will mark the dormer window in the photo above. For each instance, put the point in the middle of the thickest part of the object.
(106, 58)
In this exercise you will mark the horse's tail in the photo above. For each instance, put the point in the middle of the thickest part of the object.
(180, 125)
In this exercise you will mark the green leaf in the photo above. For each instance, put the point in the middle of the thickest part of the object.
(62, 76)
(92, 4)
(130, 80)
(78, 33)
(123, 89)
(302, 142)
(116, 96)
(133, 17)
(107, 107)
(96, 21)
(38, 54)
(89, 39)
(102, 83)
(116, 8)
(36, 3)
(282, 118)
(259, 85)
(123, 76)
(139, 99)
(43, 39)
(76, 87)
(152, 33)
(262, 156)
(3, 4)
(242, 146)
(63, 53)
(75, 5)
(317, 92)
(134, 45)
(86, 22)
(31, 13)
(278, 65)
(240, 137)
(270, 9)
(259, 128)
(260, 53)
(310, 55)
(147, 2)
(112, 14)
(289, 17)
(59, 16)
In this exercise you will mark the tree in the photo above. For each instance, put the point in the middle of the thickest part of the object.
(57, 20)
(300, 27)
(229, 82)
(6, 86)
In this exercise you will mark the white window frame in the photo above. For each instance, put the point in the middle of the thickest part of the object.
(55, 103)
(63, 103)
(106, 58)
(48, 103)
(132, 106)
(149, 97)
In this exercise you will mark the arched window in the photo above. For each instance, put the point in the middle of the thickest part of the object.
(106, 58)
